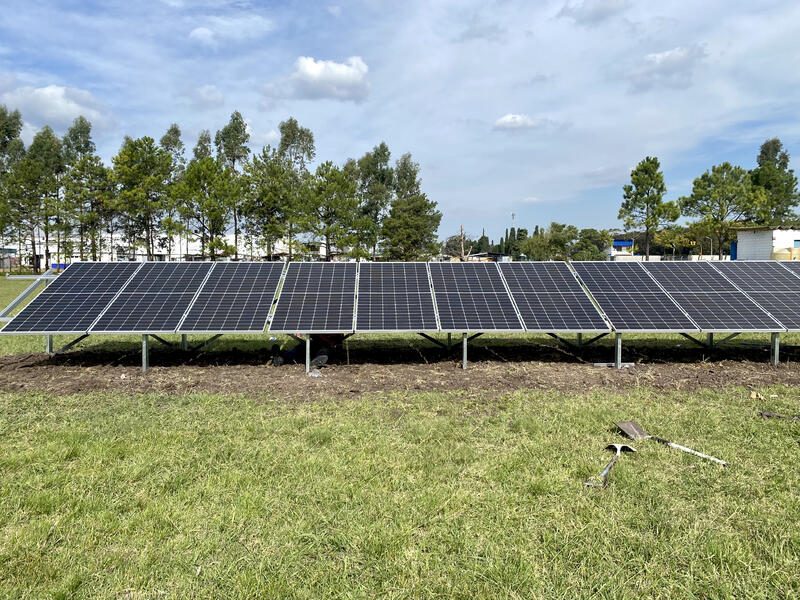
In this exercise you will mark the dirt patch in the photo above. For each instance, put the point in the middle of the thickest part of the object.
(408, 368)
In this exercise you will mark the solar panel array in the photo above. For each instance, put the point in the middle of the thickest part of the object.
(316, 298)
(395, 297)
(774, 288)
(549, 298)
(473, 297)
(709, 298)
(159, 297)
(236, 298)
(72, 302)
(631, 299)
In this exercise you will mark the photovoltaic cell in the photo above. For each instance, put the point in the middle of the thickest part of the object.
(757, 276)
(72, 302)
(631, 299)
(709, 298)
(155, 299)
(236, 297)
(473, 297)
(394, 297)
(550, 299)
(316, 298)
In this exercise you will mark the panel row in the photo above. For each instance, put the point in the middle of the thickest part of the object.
(551, 297)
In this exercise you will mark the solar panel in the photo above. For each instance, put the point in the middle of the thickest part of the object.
(473, 297)
(236, 297)
(709, 298)
(155, 299)
(550, 299)
(772, 286)
(631, 299)
(72, 302)
(316, 298)
(395, 297)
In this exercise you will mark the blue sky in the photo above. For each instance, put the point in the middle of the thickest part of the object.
(537, 108)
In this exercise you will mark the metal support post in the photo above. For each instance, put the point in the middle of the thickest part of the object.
(145, 352)
(184, 342)
(463, 350)
(710, 340)
(449, 341)
(579, 341)
(308, 354)
(775, 348)
(49, 345)
(618, 351)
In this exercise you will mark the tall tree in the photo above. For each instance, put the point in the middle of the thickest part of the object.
(553, 243)
(409, 230)
(297, 148)
(376, 180)
(206, 191)
(172, 224)
(88, 187)
(268, 191)
(203, 147)
(142, 170)
(643, 201)
(333, 207)
(11, 146)
(77, 145)
(720, 198)
(231, 142)
(779, 183)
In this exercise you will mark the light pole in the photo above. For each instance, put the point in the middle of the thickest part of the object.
(710, 247)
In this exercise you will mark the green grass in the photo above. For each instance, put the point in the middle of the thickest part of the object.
(399, 496)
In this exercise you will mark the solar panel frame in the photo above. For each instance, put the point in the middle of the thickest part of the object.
(535, 285)
(296, 291)
(139, 297)
(260, 290)
(369, 293)
(712, 300)
(491, 294)
(615, 286)
(62, 294)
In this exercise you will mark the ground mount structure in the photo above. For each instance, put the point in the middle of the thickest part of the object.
(307, 298)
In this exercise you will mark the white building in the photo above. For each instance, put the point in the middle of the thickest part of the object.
(765, 243)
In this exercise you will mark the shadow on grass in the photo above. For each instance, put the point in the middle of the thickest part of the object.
(407, 350)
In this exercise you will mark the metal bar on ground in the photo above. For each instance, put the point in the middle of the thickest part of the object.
(691, 339)
(49, 345)
(308, 354)
(618, 351)
(160, 339)
(71, 344)
(463, 350)
(210, 340)
(184, 342)
(145, 352)
(775, 348)
(431, 339)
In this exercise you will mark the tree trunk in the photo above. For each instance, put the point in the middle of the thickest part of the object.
(235, 234)
(34, 258)
(647, 244)
(327, 249)
(290, 241)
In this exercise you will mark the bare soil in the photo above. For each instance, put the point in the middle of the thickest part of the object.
(374, 369)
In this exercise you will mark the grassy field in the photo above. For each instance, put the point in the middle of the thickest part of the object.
(449, 494)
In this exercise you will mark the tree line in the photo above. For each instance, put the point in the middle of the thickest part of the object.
(723, 198)
(153, 196)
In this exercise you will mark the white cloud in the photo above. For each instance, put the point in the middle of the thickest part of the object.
(218, 30)
(335, 10)
(206, 97)
(593, 12)
(55, 105)
(204, 36)
(319, 79)
(533, 200)
(511, 122)
(672, 69)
